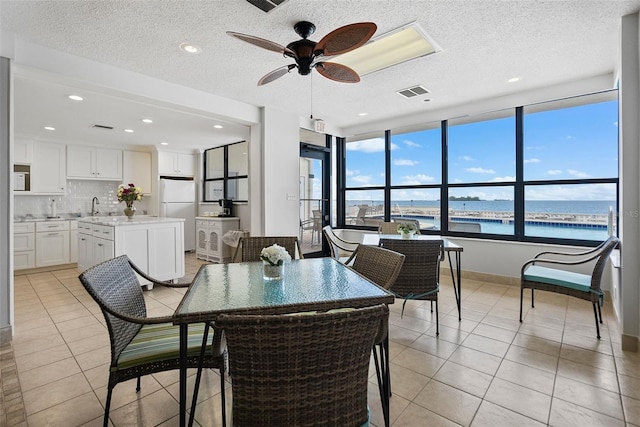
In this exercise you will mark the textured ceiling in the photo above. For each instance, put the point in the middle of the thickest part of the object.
(484, 43)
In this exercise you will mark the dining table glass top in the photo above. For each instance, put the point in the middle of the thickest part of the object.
(307, 284)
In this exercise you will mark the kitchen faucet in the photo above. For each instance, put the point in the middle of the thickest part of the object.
(94, 202)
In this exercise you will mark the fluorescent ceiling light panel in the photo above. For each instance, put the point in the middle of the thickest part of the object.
(393, 48)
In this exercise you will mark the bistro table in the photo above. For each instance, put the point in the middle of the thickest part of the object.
(449, 247)
(307, 284)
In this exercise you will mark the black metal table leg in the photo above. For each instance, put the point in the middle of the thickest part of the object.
(183, 373)
(456, 278)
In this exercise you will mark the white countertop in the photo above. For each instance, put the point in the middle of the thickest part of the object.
(221, 218)
(123, 220)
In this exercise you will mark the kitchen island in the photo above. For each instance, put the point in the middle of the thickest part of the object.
(155, 245)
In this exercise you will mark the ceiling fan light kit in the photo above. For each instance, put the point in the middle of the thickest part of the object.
(306, 52)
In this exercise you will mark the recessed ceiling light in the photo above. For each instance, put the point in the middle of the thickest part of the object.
(49, 128)
(218, 126)
(76, 98)
(147, 121)
(363, 114)
(513, 79)
(129, 130)
(189, 48)
(164, 143)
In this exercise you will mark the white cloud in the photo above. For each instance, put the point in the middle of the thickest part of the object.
(571, 192)
(571, 137)
(503, 179)
(615, 123)
(554, 172)
(368, 145)
(350, 172)
(409, 143)
(417, 179)
(361, 179)
(480, 170)
(405, 162)
(467, 158)
(578, 174)
(532, 160)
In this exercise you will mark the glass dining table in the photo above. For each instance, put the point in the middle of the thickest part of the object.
(307, 284)
(449, 248)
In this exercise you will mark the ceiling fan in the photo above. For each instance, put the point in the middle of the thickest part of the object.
(306, 52)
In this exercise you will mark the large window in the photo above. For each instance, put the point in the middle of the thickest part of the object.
(226, 173)
(545, 172)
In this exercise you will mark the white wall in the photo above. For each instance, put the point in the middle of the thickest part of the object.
(280, 162)
(629, 159)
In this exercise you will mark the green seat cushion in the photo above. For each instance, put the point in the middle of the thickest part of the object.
(552, 276)
(160, 342)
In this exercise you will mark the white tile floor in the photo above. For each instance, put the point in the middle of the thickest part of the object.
(487, 370)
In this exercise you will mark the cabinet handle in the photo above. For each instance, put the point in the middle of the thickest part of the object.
(53, 234)
(83, 239)
(99, 244)
(105, 232)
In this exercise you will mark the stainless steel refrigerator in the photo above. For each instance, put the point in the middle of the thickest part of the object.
(178, 200)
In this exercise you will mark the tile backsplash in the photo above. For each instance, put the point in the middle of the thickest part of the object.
(77, 201)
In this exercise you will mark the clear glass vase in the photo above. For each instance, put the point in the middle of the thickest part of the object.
(272, 272)
(130, 210)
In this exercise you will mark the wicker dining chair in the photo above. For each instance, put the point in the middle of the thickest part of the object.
(584, 286)
(341, 250)
(382, 267)
(142, 345)
(294, 370)
(249, 248)
(419, 277)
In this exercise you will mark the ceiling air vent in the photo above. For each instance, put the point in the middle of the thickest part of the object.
(266, 5)
(413, 91)
(102, 127)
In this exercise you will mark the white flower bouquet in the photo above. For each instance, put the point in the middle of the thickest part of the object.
(274, 255)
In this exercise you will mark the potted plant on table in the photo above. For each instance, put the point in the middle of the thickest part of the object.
(407, 230)
(128, 194)
(273, 259)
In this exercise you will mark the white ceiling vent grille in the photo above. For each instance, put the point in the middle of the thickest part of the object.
(266, 5)
(413, 91)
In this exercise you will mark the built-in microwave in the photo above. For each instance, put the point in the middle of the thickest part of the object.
(21, 178)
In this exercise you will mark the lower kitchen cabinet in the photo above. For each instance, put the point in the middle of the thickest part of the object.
(52, 243)
(155, 245)
(24, 245)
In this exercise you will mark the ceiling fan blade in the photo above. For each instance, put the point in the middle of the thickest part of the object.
(263, 43)
(275, 74)
(337, 72)
(346, 38)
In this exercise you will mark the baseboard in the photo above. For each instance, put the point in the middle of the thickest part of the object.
(44, 269)
(483, 277)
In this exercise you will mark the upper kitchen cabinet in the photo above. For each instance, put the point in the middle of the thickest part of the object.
(22, 151)
(48, 168)
(136, 169)
(94, 163)
(176, 164)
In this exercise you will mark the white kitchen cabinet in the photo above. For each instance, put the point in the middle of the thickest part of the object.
(209, 244)
(155, 245)
(176, 164)
(94, 163)
(136, 169)
(22, 151)
(52, 243)
(24, 245)
(48, 168)
(73, 241)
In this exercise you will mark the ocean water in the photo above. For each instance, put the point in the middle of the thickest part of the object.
(587, 207)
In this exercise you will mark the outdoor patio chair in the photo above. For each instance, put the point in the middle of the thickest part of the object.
(341, 249)
(249, 248)
(141, 345)
(309, 369)
(466, 227)
(420, 273)
(314, 225)
(563, 281)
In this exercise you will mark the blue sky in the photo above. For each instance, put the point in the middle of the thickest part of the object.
(570, 143)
